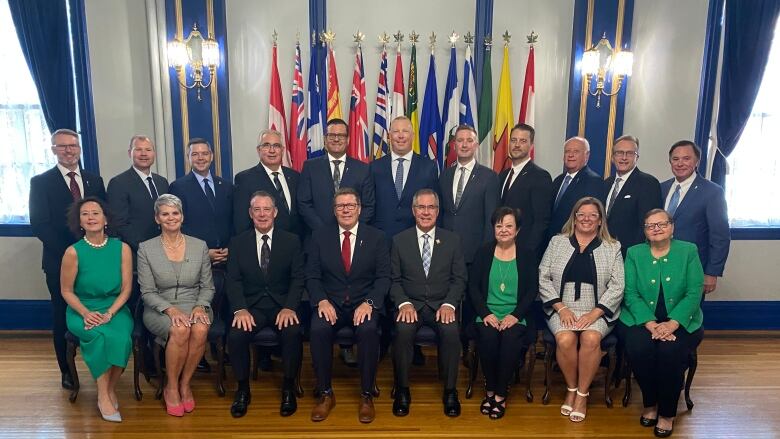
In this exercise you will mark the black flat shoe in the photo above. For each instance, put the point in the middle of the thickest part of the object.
(402, 401)
(67, 381)
(647, 422)
(289, 403)
(451, 403)
(660, 432)
(240, 403)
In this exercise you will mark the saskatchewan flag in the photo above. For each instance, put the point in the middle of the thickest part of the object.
(411, 100)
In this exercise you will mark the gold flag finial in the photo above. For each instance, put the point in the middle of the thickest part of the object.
(432, 41)
(328, 36)
(533, 38)
(453, 38)
(384, 39)
(358, 37)
(488, 42)
(399, 38)
(414, 38)
(507, 36)
(468, 38)
(275, 36)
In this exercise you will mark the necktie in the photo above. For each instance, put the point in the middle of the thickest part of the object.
(426, 254)
(265, 255)
(336, 174)
(152, 189)
(461, 181)
(74, 186)
(278, 185)
(674, 202)
(613, 197)
(346, 251)
(507, 185)
(399, 178)
(564, 186)
(209, 192)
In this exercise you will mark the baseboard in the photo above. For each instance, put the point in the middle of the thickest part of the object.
(731, 315)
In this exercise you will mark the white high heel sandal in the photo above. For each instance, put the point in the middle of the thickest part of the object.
(566, 408)
(578, 416)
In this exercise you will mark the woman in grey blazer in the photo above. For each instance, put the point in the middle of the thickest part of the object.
(174, 271)
(581, 287)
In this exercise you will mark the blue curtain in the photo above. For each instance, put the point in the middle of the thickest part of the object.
(749, 28)
(86, 109)
(42, 27)
(709, 72)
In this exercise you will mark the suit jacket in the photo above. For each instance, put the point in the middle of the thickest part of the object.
(392, 215)
(527, 280)
(369, 275)
(161, 288)
(471, 220)
(212, 224)
(702, 218)
(246, 282)
(681, 275)
(532, 193)
(50, 199)
(446, 280)
(585, 184)
(133, 206)
(638, 195)
(315, 190)
(255, 179)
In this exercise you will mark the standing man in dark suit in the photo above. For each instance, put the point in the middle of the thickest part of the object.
(269, 175)
(131, 194)
(397, 177)
(207, 201)
(698, 208)
(429, 280)
(51, 194)
(347, 276)
(323, 176)
(577, 181)
(469, 194)
(632, 193)
(265, 284)
(527, 187)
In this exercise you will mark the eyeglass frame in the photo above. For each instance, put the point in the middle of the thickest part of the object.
(661, 225)
(267, 146)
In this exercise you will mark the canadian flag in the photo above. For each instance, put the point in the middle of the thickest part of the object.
(276, 118)
(527, 105)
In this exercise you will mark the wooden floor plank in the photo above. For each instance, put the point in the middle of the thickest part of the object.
(736, 392)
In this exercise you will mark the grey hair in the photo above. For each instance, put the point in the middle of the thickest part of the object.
(425, 191)
(168, 200)
(581, 139)
(65, 131)
(628, 138)
(138, 137)
(346, 190)
(262, 194)
(267, 132)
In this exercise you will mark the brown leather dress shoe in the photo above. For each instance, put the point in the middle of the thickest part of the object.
(366, 411)
(324, 405)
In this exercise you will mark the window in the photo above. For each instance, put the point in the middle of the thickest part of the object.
(24, 137)
(752, 189)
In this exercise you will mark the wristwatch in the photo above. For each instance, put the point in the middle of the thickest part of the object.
(370, 303)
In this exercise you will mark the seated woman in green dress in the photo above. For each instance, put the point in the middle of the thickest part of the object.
(503, 283)
(96, 278)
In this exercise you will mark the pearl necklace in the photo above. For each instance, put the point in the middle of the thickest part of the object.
(101, 245)
(179, 241)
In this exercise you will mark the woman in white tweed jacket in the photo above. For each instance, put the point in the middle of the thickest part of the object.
(581, 287)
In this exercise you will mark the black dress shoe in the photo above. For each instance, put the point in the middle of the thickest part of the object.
(240, 403)
(402, 401)
(204, 366)
(67, 381)
(647, 422)
(451, 403)
(289, 404)
(660, 432)
(418, 359)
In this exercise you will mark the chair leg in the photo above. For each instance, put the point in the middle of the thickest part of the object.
(255, 361)
(473, 365)
(549, 352)
(71, 356)
(375, 390)
(530, 363)
(693, 362)
(220, 368)
(298, 387)
(136, 374)
(626, 373)
(612, 359)
(156, 349)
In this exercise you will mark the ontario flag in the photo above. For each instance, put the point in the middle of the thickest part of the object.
(334, 102)
(398, 102)
(298, 131)
(450, 115)
(380, 113)
(358, 113)
(528, 104)
(504, 117)
(276, 119)
(430, 124)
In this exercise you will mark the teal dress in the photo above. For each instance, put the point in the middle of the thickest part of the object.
(98, 283)
(502, 301)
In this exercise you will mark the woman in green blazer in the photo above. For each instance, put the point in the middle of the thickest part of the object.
(662, 313)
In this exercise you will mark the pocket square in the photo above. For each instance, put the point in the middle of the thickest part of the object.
(627, 196)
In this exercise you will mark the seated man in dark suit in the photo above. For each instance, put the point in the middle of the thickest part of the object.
(347, 276)
(429, 280)
(632, 193)
(269, 175)
(527, 187)
(207, 201)
(576, 182)
(131, 194)
(264, 287)
(51, 194)
(698, 208)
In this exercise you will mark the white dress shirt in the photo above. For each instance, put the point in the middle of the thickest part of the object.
(623, 178)
(684, 186)
(259, 240)
(282, 180)
(143, 176)
(469, 167)
(200, 179)
(77, 177)
(517, 169)
(352, 240)
(407, 164)
(420, 243)
(341, 165)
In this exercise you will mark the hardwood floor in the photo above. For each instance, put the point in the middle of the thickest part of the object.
(736, 391)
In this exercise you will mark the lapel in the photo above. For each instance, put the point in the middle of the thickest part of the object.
(251, 247)
(407, 192)
(447, 177)
(289, 179)
(139, 184)
(59, 182)
(333, 241)
(468, 186)
(413, 245)
(346, 173)
(326, 177)
(359, 251)
(436, 248)
(692, 194)
(199, 190)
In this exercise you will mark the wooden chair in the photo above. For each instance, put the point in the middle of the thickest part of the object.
(346, 337)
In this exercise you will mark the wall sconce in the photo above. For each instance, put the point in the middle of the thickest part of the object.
(196, 52)
(601, 59)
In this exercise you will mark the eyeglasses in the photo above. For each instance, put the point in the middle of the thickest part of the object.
(661, 226)
(67, 146)
(269, 146)
(336, 136)
(591, 216)
(346, 206)
(624, 153)
(428, 207)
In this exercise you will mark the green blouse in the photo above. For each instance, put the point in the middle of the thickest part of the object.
(502, 288)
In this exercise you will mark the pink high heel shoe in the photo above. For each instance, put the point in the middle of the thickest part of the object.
(189, 406)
